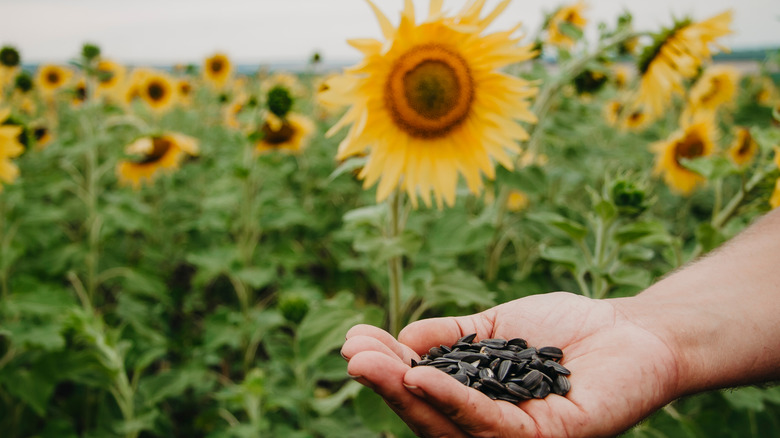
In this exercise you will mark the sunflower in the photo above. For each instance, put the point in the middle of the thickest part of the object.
(51, 78)
(10, 147)
(612, 112)
(283, 80)
(111, 78)
(675, 55)
(571, 15)
(517, 200)
(621, 76)
(42, 135)
(716, 86)
(134, 83)
(157, 90)
(290, 134)
(744, 148)
(767, 92)
(694, 139)
(184, 91)
(774, 200)
(79, 91)
(217, 70)
(157, 154)
(430, 102)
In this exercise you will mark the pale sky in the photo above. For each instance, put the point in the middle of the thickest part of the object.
(259, 31)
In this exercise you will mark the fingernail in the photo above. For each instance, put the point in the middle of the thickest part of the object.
(414, 390)
(342, 355)
(354, 377)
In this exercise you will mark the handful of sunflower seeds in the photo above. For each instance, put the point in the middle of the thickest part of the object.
(502, 369)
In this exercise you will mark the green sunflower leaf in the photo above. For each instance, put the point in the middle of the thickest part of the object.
(710, 167)
(575, 230)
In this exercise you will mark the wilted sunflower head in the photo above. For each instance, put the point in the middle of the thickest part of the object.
(279, 101)
(744, 148)
(155, 154)
(9, 57)
(158, 91)
(51, 78)
(430, 102)
(217, 70)
(696, 138)
(676, 54)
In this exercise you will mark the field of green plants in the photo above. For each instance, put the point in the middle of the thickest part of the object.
(183, 250)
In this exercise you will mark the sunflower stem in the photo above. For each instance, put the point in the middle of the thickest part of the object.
(394, 265)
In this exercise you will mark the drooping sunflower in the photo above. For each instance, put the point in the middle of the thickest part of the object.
(716, 86)
(695, 138)
(79, 92)
(676, 54)
(217, 70)
(288, 134)
(51, 78)
(571, 15)
(42, 135)
(10, 147)
(430, 102)
(157, 154)
(158, 91)
(744, 148)
(111, 79)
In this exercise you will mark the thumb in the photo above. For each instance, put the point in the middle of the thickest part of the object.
(424, 334)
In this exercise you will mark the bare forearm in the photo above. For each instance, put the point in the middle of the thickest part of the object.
(720, 315)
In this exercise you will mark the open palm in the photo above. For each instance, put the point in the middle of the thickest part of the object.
(620, 372)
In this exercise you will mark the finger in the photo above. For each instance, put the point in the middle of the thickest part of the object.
(424, 334)
(402, 351)
(470, 410)
(385, 376)
(356, 344)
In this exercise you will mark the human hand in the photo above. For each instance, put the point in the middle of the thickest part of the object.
(620, 371)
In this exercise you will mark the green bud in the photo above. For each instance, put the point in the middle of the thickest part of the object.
(90, 51)
(9, 56)
(293, 307)
(23, 82)
(629, 198)
(279, 101)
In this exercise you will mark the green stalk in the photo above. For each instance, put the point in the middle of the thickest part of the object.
(394, 267)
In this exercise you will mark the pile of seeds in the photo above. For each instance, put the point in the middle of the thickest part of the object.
(502, 370)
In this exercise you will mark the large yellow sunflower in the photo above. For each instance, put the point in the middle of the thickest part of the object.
(157, 154)
(744, 148)
(716, 86)
(158, 91)
(217, 70)
(695, 138)
(288, 134)
(774, 199)
(676, 55)
(10, 147)
(571, 15)
(430, 102)
(51, 78)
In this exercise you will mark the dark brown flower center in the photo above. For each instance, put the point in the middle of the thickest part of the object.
(429, 91)
(160, 147)
(156, 90)
(217, 65)
(53, 77)
(691, 146)
(279, 136)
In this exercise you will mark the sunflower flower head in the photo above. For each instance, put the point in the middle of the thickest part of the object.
(51, 78)
(156, 154)
(10, 147)
(570, 16)
(429, 102)
(744, 148)
(217, 70)
(716, 86)
(676, 54)
(9, 57)
(111, 78)
(158, 91)
(695, 138)
(289, 134)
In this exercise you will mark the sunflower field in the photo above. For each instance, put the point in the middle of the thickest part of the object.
(183, 249)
